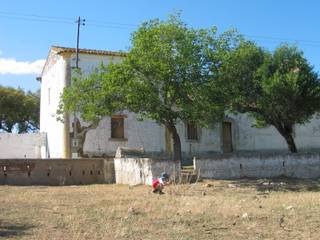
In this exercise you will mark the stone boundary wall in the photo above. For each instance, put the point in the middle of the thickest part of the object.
(140, 170)
(56, 171)
(234, 166)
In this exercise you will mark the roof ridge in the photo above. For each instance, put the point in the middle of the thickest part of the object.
(61, 49)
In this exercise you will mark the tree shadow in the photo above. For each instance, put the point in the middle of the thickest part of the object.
(8, 230)
(279, 184)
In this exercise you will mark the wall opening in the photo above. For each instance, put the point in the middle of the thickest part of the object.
(117, 127)
(227, 137)
(192, 131)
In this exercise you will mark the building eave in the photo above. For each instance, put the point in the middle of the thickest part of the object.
(58, 50)
(61, 50)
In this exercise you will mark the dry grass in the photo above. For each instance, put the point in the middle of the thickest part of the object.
(244, 209)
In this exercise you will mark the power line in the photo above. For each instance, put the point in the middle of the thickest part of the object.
(54, 19)
(108, 26)
(113, 23)
(65, 18)
(284, 39)
(36, 16)
(35, 19)
(48, 19)
(128, 26)
(311, 42)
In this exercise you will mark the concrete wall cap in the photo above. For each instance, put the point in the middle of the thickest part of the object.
(126, 151)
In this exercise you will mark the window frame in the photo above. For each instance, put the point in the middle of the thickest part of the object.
(192, 131)
(112, 136)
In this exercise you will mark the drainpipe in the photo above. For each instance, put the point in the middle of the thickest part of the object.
(66, 117)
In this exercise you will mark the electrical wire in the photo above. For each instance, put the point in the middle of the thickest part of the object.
(88, 23)
(35, 19)
(36, 16)
(113, 23)
(128, 26)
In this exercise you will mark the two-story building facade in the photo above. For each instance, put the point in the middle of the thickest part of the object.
(234, 134)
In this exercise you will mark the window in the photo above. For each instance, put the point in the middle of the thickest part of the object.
(192, 131)
(117, 127)
(227, 137)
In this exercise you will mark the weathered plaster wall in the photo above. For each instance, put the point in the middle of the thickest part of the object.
(139, 170)
(308, 135)
(55, 77)
(28, 145)
(248, 138)
(151, 136)
(233, 166)
(89, 62)
(56, 171)
(148, 134)
(208, 142)
(52, 84)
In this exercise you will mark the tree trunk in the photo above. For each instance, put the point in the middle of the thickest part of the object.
(291, 144)
(82, 136)
(286, 132)
(80, 132)
(176, 141)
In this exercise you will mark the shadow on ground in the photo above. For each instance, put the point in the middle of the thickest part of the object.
(8, 230)
(279, 184)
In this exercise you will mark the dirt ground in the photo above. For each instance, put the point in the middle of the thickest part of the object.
(242, 209)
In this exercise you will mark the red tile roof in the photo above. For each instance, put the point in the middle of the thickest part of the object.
(59, 50)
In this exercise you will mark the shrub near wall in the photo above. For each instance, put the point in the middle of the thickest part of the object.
(233, 166)
(56, 171)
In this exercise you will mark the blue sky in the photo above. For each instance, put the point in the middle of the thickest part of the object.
(29, 28)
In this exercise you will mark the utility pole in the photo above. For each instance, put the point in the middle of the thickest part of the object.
(79, 22)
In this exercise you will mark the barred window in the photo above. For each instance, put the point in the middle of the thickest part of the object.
(192, 131)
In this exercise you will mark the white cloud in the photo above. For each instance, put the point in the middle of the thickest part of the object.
(12, 66)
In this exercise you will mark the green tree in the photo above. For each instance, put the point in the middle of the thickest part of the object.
(279, 89)
(19, 109)
(166, 76)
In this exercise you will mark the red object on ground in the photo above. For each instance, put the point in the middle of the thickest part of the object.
(155, 183)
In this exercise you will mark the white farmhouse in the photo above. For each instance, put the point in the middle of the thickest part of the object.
(234, 134)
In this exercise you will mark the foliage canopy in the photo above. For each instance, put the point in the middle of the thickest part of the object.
(279, 89)
(19, 109)
(168, 76)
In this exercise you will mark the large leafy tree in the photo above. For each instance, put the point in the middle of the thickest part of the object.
(279, 89)
(19, 110)
(168, 76)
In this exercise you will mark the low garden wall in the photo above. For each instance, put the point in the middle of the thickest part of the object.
(233, 166)
(132, 168)
(56, 171)
(135, 170)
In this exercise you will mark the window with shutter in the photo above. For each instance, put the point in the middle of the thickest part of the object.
(192, 131)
